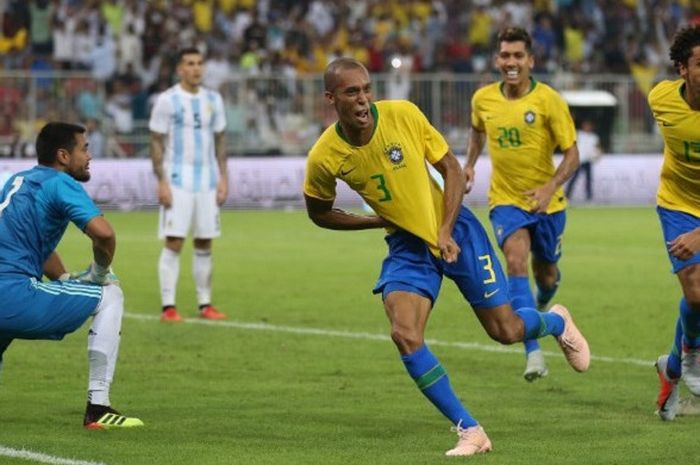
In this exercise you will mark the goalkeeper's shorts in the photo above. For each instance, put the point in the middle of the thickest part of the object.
(32, 309)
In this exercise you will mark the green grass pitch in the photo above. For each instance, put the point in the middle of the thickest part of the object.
(303, 372)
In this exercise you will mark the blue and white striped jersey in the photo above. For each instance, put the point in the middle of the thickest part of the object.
(190, 122)
(35, 208)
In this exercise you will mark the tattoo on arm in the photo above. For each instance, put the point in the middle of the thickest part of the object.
(157, 149)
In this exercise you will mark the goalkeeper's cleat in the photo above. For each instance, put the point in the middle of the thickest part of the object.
(572, 342)
(536, 367)
(472, 440)
(667, 402)
(170, 315)
(690, 367)
(105, 417)
(209, 312)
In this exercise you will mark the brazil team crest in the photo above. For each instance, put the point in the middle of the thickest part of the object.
(394, 153)
(529, 117)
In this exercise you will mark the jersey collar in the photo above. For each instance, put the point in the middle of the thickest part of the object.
(533, 83)
(375, 117)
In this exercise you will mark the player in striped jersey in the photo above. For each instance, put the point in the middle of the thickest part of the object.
(676, 108)
(35, 208)
(189, 160)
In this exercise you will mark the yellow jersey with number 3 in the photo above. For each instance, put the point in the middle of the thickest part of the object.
(679, 186)
(389, 172)
(522, 135)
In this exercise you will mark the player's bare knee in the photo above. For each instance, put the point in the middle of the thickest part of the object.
(406, 339)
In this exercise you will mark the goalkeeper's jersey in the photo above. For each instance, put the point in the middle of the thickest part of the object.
(679, 186)
(35, 208)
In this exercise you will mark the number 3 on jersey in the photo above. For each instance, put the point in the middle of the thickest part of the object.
(381, 186)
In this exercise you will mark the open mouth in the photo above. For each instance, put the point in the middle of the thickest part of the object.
(362, 116)
(512, 73)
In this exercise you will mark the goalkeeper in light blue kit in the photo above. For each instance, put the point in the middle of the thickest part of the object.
(35, 208)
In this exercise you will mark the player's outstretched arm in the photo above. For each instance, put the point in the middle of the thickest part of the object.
(324, 215)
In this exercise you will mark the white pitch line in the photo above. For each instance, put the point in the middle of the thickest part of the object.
(25, 454)
(380, 337)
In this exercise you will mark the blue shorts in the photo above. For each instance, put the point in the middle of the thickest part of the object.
(31, 309)
(674, 223)
(410, 266)
(546, 229)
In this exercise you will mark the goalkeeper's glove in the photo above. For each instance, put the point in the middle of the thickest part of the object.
(95, 274)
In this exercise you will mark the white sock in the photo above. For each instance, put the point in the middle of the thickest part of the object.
(103, 344)
(201, 269)
(168, 272)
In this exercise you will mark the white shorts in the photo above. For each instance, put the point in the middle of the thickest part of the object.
(197, 212)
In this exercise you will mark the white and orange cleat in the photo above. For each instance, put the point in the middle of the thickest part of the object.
(667, 402)
(572, 342)
(472, 441)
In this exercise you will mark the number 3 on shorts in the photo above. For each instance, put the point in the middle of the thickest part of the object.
(488, 266)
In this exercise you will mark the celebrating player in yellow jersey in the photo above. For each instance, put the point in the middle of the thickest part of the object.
(381, 150)
(676, 108)
(524, 121)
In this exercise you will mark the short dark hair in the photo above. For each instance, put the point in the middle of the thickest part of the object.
(54, 136)
(187, 51)
(683, 43)
(514, 34)
(342, 63)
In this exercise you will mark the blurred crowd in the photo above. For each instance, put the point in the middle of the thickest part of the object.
(128, 46)
(115, 38)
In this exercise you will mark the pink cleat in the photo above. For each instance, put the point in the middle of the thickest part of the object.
(572, 342)
(472, 441)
